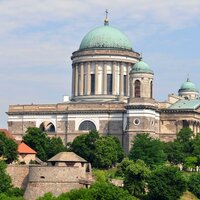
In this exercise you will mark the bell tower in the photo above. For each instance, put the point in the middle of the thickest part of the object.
(142, 115)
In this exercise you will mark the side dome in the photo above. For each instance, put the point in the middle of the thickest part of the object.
(105, 37)
(141, 67)
(188, 86)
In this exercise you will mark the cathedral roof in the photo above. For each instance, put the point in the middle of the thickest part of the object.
(105, 37)
(186, 104)
(188, 86)
(141, 67)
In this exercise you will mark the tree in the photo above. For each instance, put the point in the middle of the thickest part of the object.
(148, 149)
(5, 180)
(190, 162)
(45, 146)
(194, 184)
(84, 145)
(55, 146)
(104, 191)
(196, 147)
(184, 137)
(135, 178)
(107, 191)
(121, 167)
(8, 148)
(101, 152)
(166, 183)
(174, 152)
(106, 152)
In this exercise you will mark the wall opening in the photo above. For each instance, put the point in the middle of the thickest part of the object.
(137, 88)
(47, 127)
(87, 125)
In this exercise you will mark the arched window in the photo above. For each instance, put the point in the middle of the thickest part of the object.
(137, 88)
(47, 127)
(151, 90)
(87, 126)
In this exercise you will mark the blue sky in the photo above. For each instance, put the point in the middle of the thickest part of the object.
(38, 38)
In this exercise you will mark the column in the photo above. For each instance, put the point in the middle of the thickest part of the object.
(104, 78)
(73, 80)
(76, 81)
(88, 79)
(81, 79)
(121, 92)
(191, 125)
(128, 79)
(96, 78)
(114, 78)
(198, 128)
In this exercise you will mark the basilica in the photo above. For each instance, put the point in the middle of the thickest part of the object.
(112, 92)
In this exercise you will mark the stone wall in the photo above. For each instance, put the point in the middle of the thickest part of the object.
(35, 190)
(19, 175)
(54, 179)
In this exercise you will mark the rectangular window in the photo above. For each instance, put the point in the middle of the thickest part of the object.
(125, 85)
(109, 83)
(92, 83)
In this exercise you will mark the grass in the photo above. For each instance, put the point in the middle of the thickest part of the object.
(188, 196)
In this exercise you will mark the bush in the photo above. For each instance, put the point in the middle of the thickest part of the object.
(166, 183)
(194, 184)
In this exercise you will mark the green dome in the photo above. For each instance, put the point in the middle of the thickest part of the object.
(141, 67)
(106, 37)
(188, 87)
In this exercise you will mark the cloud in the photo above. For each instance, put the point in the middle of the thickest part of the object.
(38, 37)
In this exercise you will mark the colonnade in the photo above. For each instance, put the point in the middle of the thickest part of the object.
(192, 124)
(91, 78)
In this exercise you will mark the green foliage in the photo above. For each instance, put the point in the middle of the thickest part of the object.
(190, 162)
(84, 145)
(135, 178)
(121, 167)
(174, 152)
(105, 152)
(45, 146)
(79, 194)
(106, 191)
(184, 137)
(166, 183)
(101, 152)
(194, 184)
(5, 180)
(184, 146)
(48, 196)
(148, 149)
(4, 196)
(8, 148)
(98, 191)
(7, 192)
(196, 147)
(15, 192)
(100, 175)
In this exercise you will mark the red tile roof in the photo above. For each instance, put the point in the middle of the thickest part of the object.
(23, 148)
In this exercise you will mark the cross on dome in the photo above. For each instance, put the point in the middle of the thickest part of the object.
(106, 21)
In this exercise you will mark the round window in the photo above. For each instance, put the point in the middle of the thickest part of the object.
(136, 121)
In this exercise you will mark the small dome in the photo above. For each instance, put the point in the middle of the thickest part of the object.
(188, 87)
(105, 37)
(141, 67)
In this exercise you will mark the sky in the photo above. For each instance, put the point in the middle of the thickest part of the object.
(37, 38)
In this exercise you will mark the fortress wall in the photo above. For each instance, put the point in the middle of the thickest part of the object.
(56, 174)
(35, 190)
(19, 175)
